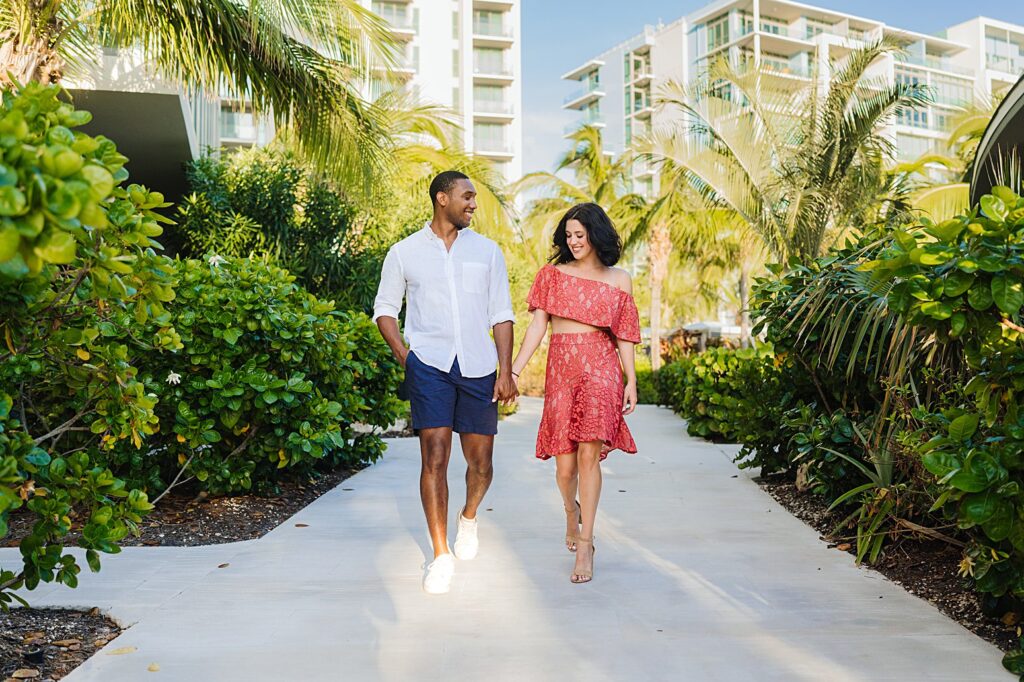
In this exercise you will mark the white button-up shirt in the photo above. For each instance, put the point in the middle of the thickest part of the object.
(454, 298)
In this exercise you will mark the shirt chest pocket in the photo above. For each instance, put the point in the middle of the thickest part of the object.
(474, 278)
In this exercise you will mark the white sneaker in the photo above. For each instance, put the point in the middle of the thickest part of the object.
(437, 579)
(466, 542)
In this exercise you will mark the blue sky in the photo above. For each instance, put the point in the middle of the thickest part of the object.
(561, 34)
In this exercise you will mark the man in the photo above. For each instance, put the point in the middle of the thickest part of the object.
(456, 289)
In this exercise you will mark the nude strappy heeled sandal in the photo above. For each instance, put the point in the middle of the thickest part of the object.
(586, 575)
(570, 539)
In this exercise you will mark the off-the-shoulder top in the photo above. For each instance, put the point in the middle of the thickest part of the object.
(585, 300)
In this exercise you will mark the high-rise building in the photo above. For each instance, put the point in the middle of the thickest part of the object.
(465, 55)
(460, 54)
(968, 61)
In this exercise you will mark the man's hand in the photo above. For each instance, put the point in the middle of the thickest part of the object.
(505, 389)
(402, 357)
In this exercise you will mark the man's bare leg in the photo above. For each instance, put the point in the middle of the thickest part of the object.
(478, 450)
(435, 450)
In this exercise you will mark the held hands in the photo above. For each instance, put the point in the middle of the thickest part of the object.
(505, 388)
(629, 398)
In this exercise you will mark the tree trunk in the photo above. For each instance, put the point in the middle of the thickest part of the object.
(658, 249)
(27, 60)
(744, 305)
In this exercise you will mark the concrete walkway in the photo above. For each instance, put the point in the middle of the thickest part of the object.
(699, 576)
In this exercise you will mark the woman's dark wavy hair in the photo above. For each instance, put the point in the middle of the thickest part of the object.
(600, 231)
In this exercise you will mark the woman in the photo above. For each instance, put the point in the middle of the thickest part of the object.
(594, 324)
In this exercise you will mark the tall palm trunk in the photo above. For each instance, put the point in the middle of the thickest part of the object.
(28, 59)
(658, 249)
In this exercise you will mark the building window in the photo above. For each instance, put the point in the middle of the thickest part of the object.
(490, 137)
(490, 60)
(489, 23)
(910, 147)
(491, 99)
(395, 13)
(817, 27)
(718, 32)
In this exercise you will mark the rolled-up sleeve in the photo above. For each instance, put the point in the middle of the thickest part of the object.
(499, 301)
(391, 290)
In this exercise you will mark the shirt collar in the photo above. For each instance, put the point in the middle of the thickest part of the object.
(433, 237)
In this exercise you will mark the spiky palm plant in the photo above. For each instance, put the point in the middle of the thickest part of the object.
(800, 165)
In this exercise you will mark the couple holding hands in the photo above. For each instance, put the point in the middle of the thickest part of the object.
(455, 286)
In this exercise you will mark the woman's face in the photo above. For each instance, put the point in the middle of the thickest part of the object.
(577, 239)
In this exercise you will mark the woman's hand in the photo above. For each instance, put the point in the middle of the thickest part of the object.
(629, 398)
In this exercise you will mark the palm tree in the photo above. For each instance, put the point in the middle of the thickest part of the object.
(799, 165)
(677, 221)
(259, 51)
(599, 178)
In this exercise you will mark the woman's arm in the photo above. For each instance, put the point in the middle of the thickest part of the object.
(626, 355)
(627, 352)
(531, 341)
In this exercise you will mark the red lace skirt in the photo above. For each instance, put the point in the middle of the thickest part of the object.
(583, 393)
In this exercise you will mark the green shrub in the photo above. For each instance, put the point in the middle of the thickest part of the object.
(732, 395)
(646, 383)
(264, 202)
(270, 379)
(78, 273)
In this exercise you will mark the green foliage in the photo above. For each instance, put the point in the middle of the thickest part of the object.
(646, 381)
(732, 395)
(265, 203)
(270, 379)
(77, 269)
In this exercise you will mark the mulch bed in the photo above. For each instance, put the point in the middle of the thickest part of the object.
(924, 567)
(185, 518)
(48, 644)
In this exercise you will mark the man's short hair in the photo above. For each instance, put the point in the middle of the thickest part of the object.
(444, 182)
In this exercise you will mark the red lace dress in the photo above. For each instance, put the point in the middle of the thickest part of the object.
(583, 387)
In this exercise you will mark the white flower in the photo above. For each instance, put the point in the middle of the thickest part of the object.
(217, 260)
(174, 378)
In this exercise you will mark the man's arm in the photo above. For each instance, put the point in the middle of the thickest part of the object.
(501, 318)
(388, 327)
(504, 388)
(388, 302)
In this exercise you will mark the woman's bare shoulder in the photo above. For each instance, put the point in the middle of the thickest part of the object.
(621, 279)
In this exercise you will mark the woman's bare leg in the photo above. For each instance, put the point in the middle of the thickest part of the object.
(567, 477)
(588, 460)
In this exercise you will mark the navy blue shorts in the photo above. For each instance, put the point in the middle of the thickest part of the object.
(448, 399)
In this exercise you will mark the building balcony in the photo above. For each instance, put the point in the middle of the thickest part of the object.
(936, 63)
(403, 27)
(1005, 64)
(493, 73)
(582, 97)
(483, 106)
(643, 75)
(499, 149)
(487, 30)
(495, 5)
(501, 112)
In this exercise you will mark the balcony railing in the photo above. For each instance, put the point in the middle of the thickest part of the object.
(933, 62)
(492, 69)
(1007, 64)
(403, 22)
(492, 107)
(591, 86)
(487, 146)
(787, 69)
(492, 30)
